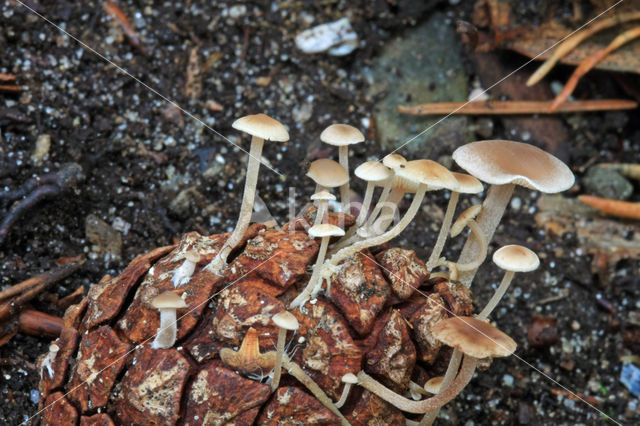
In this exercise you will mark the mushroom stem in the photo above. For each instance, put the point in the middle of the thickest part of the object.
(167, 332)
(311, 289)
(425, 405)
(277, 369)
(483, 245)
(493, 208)
(452, 369)
(444, 230)
(383, 238)
(495, 299)
(387, 213)
(297, 372)
(253, 168)
(366, 203)
(344, 396)
(345, 197)
(381, 202)
(323, 207)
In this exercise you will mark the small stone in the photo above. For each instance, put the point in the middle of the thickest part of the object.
(43, 144)
(607, 183)
(106, 240)
(575, 325)
(507, 380)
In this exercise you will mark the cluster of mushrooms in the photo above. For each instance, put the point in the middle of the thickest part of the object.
(499, 163)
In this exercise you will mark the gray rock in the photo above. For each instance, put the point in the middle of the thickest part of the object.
(607, 183)
(421, 65)
(106, 241)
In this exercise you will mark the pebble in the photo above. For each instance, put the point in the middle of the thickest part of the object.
(34, 395)
(575, 325)
(607, 183)
(43, 144)
(507, 380)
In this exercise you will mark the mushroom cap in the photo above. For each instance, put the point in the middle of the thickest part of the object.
(465, 217)
(168, 300)
(341, 135)
(325, 230)
(394, 160)
(516, 258)
(433, 384)
(262, 126)
(474, 337)
(328, 173)
(192, 256)
(372, 171)
(323, 195)
(500, 162)
(427, 172)
(54, 348)
(350, 378)
(467, 184)
(286, 320)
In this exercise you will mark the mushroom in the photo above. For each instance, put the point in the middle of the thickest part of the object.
(324, 231)
(168, 304)
(348, 380)
(183, 274)
(467, 184)
(248, 359)
(423, 173)
(285, 321)
(476, 339)
(504, 164)
(327, 173)
(466, 218)
(261, 127)
(512, 258)
(433, 384)
(342, 135)
(48, 360)
(323, 197)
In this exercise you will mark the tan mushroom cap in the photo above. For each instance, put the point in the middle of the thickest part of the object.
(516, 258)
(394, 160)
(372, 171)
(433, 384)
(54, 348)
(500, 162)
(286, 320)
(465, 217)
(325, 230)
(341, 135)
(168, 300)
(467, 184)
(192, 256)
(328, 173)
(262, 126)
(323, 195)
(350, 378)
(474, 337)
(427, 172)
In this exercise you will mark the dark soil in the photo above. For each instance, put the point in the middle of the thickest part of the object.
(160, 173)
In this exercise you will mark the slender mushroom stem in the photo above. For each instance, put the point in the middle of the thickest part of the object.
(167, 332)
(495, 299)
(387, 213)
(381, 202)
(347, 239)
(444, 230)
(483, 245)
(344, 395)
(323, 208)
(277, 369)
(493, 208)
(246, 209)
(315, 280)
(425, 405)
(383, 238)
(452, 369)
(297, 372)
(345, 196)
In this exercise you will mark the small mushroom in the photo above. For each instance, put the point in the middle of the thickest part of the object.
(474, 338)
(466, 218)
(324, 231)
(261, 127)
(323, 197)
(342, 135)
(48, 360)
(348, 380)
(391, 161)
(183, 274)
(168, 304)
(248, 358)
(285, 321)
(327, 174)
(467, 184)
(504, 164)
(433, 384)
(511, 258)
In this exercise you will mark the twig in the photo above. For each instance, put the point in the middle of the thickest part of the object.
(515, 107)
(563, 294)
(572, 42)
(39, 324)
(118, 16)
(613, 207)
(590, 62)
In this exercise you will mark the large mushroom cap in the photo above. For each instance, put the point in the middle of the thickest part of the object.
(341, 135)
(394, 160)
(474, 337)
(325, 230)
(328, 173)
(372, 171)
(516, 258)
(168, 300)
(262, 126)
(286, 320)
(427, 172)
(500, 162)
